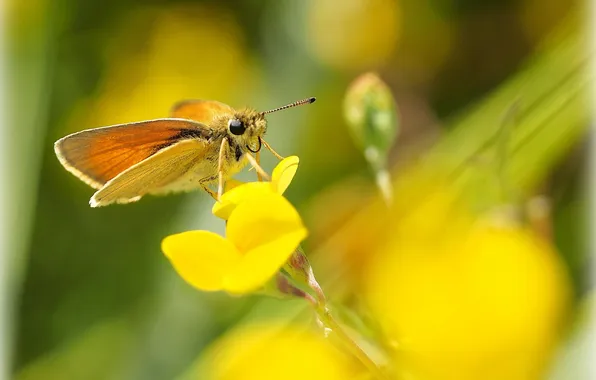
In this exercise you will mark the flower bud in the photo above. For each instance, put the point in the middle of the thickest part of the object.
(299, 269)
(371, 115)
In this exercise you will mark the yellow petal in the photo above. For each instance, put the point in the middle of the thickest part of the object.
(292, 353)
(284, 173)
(232, 198)
(260, 220)
(231, 183)
(201, 258)
(262, 263)
(266, 229)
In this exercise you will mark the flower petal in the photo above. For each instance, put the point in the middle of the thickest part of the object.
(266, 229)
(271, 350)
(284, 173)
(232, 183)
(262, 263)
(232, 198)
(260, 220)
(201, 258)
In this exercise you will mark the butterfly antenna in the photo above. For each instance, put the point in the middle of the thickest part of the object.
(297, 103)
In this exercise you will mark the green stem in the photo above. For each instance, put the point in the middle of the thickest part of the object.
(327, 319)
(383, 180)
(299, 270)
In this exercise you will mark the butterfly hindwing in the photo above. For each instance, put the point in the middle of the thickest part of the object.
(178, 161)
(203, 111)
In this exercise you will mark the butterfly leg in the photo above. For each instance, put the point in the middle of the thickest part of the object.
(257, 167)
(279, 157)
(209, 191)
(204, 183)
(222, 149)
(258, 159)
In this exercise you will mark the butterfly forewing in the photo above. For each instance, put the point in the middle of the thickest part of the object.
(203, 111)
(99, 155)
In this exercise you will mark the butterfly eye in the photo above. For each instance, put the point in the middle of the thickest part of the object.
(236, 127)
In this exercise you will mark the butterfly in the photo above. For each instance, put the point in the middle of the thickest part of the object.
(203, 142)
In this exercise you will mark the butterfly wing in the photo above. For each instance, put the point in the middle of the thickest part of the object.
(203, 111)
(178, 161)
(98, 155)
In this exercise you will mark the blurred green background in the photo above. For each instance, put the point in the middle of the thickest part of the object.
(90, 296)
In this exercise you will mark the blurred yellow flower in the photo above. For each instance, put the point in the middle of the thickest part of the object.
(280, 180)
(277, 352)
(262, 233)
(467, 299)
(144, 78)
(353, 34)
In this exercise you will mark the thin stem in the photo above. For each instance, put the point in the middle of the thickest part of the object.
(299, 270)
(383, 180)
(327, 319)
(314, 285)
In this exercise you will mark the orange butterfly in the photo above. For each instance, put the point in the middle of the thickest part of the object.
(204, 142)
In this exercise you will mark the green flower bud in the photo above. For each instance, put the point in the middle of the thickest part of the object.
(371, 114)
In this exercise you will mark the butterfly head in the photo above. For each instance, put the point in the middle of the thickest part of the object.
(246, 127)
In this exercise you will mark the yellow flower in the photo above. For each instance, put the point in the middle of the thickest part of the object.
(277, 352)
(280, 180)
(262, 233)
(467, 299)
